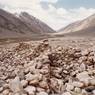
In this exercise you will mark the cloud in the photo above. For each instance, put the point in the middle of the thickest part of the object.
(50, 1)
(54, 17)
(60, 17)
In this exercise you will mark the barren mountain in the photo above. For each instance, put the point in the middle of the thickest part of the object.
(32, 22)
(84, 27)
(25, 25)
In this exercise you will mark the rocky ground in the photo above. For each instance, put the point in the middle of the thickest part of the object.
(54, 67)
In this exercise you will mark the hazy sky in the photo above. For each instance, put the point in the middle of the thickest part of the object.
(76, 3)
(56, 13)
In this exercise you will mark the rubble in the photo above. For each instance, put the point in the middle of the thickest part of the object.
(46, 70)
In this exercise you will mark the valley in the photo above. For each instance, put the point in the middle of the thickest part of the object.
(37, 60)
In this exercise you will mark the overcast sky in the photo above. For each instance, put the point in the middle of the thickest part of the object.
(55, 13)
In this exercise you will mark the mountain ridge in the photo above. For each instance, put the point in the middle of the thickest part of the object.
(12, 26)
(86, 26)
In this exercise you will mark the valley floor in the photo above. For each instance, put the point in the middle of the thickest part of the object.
(62, 66)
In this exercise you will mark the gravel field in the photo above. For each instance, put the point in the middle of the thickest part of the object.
(56, 66)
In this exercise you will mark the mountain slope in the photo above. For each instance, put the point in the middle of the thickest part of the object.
(12, 26)
(83, 28)
(32, 22)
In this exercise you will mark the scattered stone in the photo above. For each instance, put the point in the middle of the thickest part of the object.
(90, 88)
(24, 83)
(78, 84)
(92, 81)
(1, 89)
(93, 92)
(31, 77)
(6, 92)
(42, 93)
(66, 93)
(15, 85)
(30, 90)
(85, 52)
(46, 70)
(44, 85)
(77, 90)
(69, 87)
(82, 67)
(83, 76)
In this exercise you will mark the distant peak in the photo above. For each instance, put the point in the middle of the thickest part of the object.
(24, 13)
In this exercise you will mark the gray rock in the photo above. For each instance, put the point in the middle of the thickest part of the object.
(24, 83)
(83, 76)
(90, 88)
(16, 86)
(31, 77)
(1, 89)
(42, 93)
(66, 93)
(69, 87)
(78, 84)
(85, 52)
(82, 67)
(30, 90)
(92, 81)
(93, 92)
(77, 90)
(6, 92)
